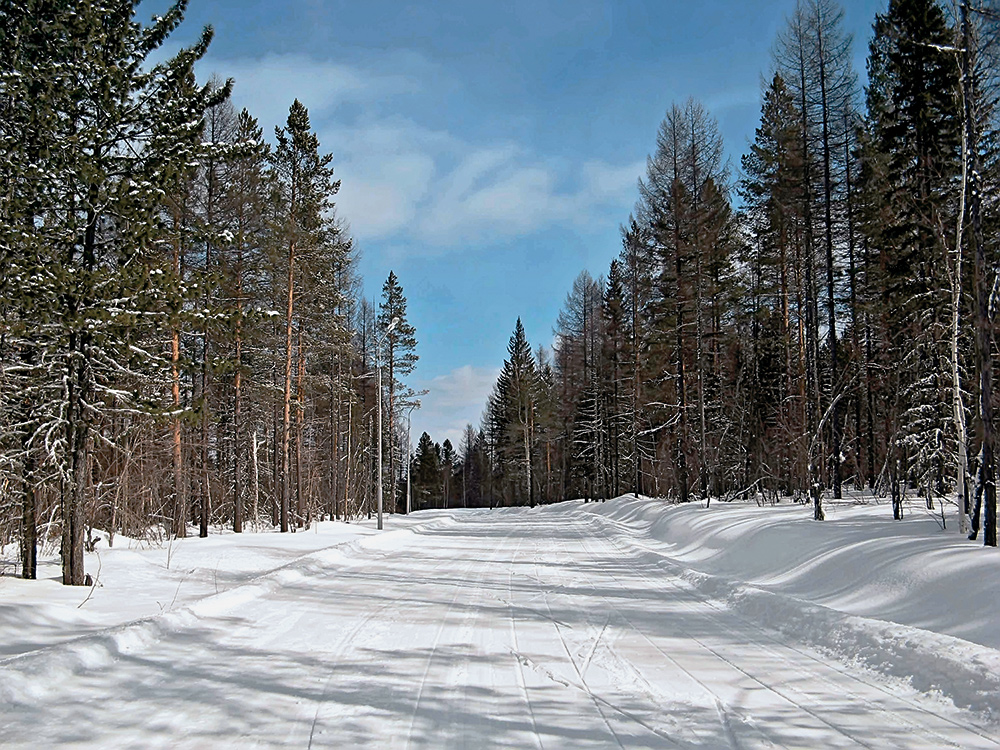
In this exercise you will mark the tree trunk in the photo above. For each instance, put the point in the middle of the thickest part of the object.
(958, 407)
(287, 397)
(853, 280)
(77, 441)
(238, 421)
(300, 500)
(812, 315)
(984, 328)
(177, 457)
(256, 480)
(835, 436)
(29, 511)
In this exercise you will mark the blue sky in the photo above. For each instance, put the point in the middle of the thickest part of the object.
(489, 151)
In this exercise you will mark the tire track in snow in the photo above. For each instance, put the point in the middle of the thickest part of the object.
(583, 682)
(657, 585)
(651, 690)
(473, 614)
(347, 640)
(767, 635)
(717, 701)
(515, 652)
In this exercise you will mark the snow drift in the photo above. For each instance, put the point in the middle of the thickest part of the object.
(891, 595)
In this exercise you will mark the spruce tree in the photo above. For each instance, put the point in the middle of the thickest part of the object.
(511, 415)
(914, 125)
(427, 478)
(108, 138)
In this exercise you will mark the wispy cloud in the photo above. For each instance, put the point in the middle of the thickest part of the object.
(501, 192)
(445, 193)
(402, 181)
(267, 85)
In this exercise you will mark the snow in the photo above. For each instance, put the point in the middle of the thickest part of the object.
(138, 579)
(621, 624)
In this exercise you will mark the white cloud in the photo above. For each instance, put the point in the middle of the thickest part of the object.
(404, 182)
(454, 400)
(605, 181)
(507, 192)
(383, 203)
(387, 170)
(267, 85)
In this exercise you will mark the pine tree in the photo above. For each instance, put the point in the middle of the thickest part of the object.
(305, 190)
(247, 192)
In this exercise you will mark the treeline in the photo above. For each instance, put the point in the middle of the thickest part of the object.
(824, 317)
(184, 341)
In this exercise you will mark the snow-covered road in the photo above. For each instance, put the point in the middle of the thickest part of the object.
(509, 628)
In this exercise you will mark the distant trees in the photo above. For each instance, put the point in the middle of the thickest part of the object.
(426, 474)
(439, 477)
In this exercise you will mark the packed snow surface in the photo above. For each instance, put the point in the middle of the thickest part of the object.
(621, 624)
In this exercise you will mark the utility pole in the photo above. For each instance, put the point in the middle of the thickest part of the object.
(378, 370)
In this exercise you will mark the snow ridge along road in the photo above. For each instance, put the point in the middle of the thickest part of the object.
(544, 628)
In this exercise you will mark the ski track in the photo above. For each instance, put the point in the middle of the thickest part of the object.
(346, 641)
(506, 628)
(576, 668)
(472, 615)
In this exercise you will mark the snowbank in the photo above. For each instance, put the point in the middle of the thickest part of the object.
(892, 595)
(136, 580)
(40, 664)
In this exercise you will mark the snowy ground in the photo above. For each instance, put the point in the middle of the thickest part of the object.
(620, 624)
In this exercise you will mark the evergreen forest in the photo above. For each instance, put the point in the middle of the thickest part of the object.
(185, 343)
(816, 319)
